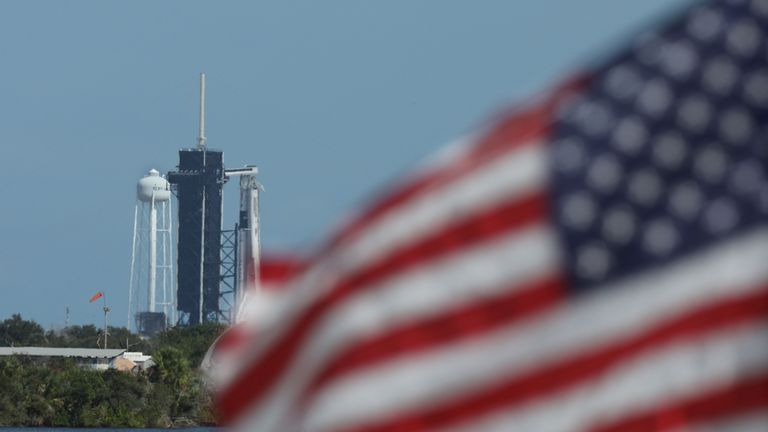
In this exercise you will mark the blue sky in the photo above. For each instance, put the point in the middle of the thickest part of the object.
(332, 99)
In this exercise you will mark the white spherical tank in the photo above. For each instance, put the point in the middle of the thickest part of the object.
(151, 184)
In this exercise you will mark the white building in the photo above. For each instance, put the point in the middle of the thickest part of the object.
(94, 358)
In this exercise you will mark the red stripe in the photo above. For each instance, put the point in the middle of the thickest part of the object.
(279, 269)
(417, 187)
(747, 396)
(446, 328)
(413, 189)
(232, 340)
(511, 391)
(260, 376)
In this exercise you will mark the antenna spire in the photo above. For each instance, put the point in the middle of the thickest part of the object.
(201, 137)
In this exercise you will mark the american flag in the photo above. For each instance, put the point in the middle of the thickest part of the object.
(594, 261)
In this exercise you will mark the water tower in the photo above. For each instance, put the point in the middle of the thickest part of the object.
(151, 305)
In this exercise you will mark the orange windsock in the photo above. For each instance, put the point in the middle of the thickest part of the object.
(96, 296)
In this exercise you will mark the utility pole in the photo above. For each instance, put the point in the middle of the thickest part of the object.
(101, 295)
(106, 311)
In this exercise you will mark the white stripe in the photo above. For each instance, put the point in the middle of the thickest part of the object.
(627, 308)
(451, 282)
(753, 422)
(262, 310)
(670, 373)
(508, 177)
(450, 154)
(262, 307)
(464, 277)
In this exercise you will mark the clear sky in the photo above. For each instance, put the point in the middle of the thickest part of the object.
(332, 99)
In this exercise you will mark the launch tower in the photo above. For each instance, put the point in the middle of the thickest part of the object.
(198, 182)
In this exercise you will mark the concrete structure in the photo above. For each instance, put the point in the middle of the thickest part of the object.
(122, 364)
(139, 359)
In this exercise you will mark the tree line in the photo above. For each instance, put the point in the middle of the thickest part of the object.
(60, 394)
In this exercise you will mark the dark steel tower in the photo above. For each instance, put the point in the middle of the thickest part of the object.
(198, 183)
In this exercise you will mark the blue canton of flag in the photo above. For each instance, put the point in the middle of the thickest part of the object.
(664, 154)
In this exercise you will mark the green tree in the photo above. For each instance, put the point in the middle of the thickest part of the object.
(76, 336)
(16, 331)
(121, 337)
(58, 393)
(39, 410)
(184, 383)
(12, 395)
(192, 341)
(125, 398)
(159, 402)
(90, 336)
(82, 393)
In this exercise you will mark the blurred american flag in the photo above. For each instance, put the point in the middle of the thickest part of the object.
(596, 260)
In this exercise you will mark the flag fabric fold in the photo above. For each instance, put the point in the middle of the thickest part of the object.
(594, 260)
